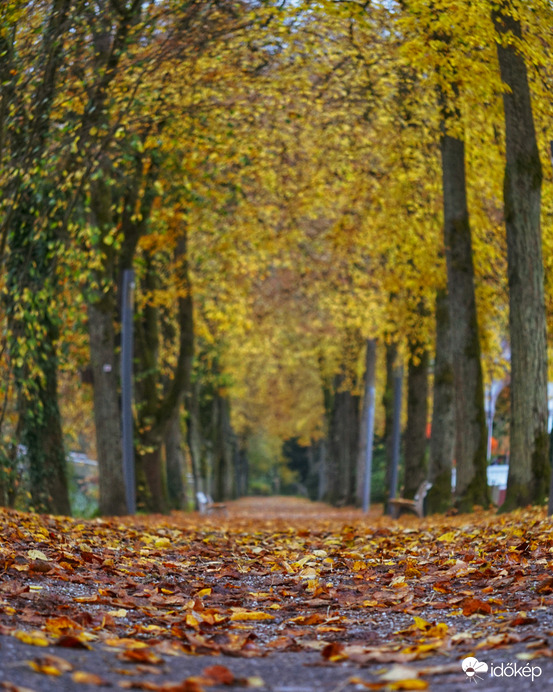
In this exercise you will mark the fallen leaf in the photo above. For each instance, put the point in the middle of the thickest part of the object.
(35, 638)
(85, 678)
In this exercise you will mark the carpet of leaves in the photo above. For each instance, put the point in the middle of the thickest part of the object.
(279, 575)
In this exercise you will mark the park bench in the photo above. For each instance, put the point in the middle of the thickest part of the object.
(207, 506)
(415, 505)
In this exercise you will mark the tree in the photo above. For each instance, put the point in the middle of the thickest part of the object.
(442, 439)
(415, 443)
(529, 464)
(32, 226)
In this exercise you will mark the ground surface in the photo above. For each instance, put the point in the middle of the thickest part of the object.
(276, 594)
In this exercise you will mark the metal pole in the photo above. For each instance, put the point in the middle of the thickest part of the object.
(370, 391)
(396, 431)
(126, 388)
(490, 413)
(550, 501)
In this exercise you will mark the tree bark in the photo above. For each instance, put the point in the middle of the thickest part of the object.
(175, 462)
(32, 227)
(107, 414)
(529, 468)
(156, 409)
(442, 437)
(343, 446)
(102, 316)
(415, 444)
(470, 450)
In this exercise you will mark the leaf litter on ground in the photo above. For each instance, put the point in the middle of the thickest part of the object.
(280, 575)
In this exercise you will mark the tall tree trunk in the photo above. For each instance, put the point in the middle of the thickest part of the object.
(193, 435)
(32, 228)
(343, 446)
(157, 408)
(470, 450)
(102, 316)
(223, 457)
(175, 463)
(107, 415)
(33, 331)
(242, 466)
(442, 438)
(322, 454)
(529, 469)
(42, 436)
(417, 418)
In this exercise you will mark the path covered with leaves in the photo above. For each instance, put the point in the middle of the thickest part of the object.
(391, 604)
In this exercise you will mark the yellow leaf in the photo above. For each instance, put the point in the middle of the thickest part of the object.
(447, 537)
(87, 678)
(414, 684)
(421, 623)
(35, 638)
(44, 668)
(50, 665)
(162, 543)
(251, 615)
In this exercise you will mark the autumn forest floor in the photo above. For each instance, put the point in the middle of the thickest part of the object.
(277, 594)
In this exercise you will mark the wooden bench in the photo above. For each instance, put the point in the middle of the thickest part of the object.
(207, 506)
(415, 505)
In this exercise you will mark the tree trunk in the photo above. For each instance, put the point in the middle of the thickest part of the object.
(107, 414)
(442, 438)
(242, 467)
(31, 290)
(388, 403)
(417, 419)
(322, 485)
(529, 469)
(175, 462)
(193, 436)
(223, 471)
(343, 446)
(157, 408)
(42, 436)
(470, 450)
(102, 317)
(32, 229)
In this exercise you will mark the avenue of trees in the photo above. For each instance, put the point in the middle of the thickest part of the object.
(318, 200)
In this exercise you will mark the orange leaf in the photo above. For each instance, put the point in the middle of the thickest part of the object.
(140, 656)
(475, 605)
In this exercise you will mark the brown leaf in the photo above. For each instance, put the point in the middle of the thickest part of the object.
(472, 606)
(221, 675)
